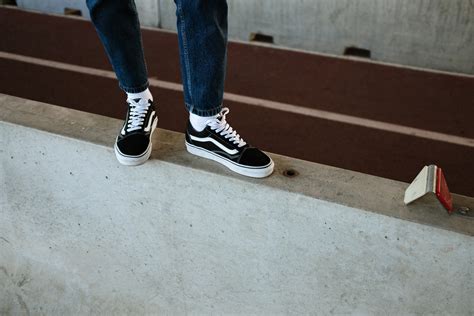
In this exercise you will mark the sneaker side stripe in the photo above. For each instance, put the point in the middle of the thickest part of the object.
(219, 157)
(150, 121)
(209, 139)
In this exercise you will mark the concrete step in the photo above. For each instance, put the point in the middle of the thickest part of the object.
(268, 83)
(80, 233)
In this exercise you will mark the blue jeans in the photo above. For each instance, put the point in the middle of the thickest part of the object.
(202, 37)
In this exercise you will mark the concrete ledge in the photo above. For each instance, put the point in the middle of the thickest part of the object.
(318, 181)
(80, 233)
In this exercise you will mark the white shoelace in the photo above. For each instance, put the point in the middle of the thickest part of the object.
(137, 115)
(224, 129)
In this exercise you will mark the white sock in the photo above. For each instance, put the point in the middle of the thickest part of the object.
(146, 94)
(199, 122)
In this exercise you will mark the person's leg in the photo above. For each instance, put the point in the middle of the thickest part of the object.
(202, 35)
(118, 27)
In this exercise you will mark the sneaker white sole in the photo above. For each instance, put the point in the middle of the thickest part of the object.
(128, 160)
(132, 160)
(254, 172)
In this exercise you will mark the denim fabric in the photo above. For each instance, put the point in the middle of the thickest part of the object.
(116, 23)
(202, 38)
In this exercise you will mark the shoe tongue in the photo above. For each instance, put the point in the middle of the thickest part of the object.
(140, 101)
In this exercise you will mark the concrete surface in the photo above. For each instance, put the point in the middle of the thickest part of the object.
(80, 233)
(148, 10)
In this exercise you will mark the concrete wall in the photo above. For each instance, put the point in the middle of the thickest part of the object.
(435, 34)
(148, 10)
(80, 233)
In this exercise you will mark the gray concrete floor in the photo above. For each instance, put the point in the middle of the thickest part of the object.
(81, 234)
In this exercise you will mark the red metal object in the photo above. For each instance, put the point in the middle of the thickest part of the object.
(442, 191)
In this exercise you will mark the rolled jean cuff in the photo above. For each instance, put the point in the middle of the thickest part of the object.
(206, 112)
(135, 89)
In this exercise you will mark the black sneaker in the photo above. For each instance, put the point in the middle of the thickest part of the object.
(133, 144)
(219, 142)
